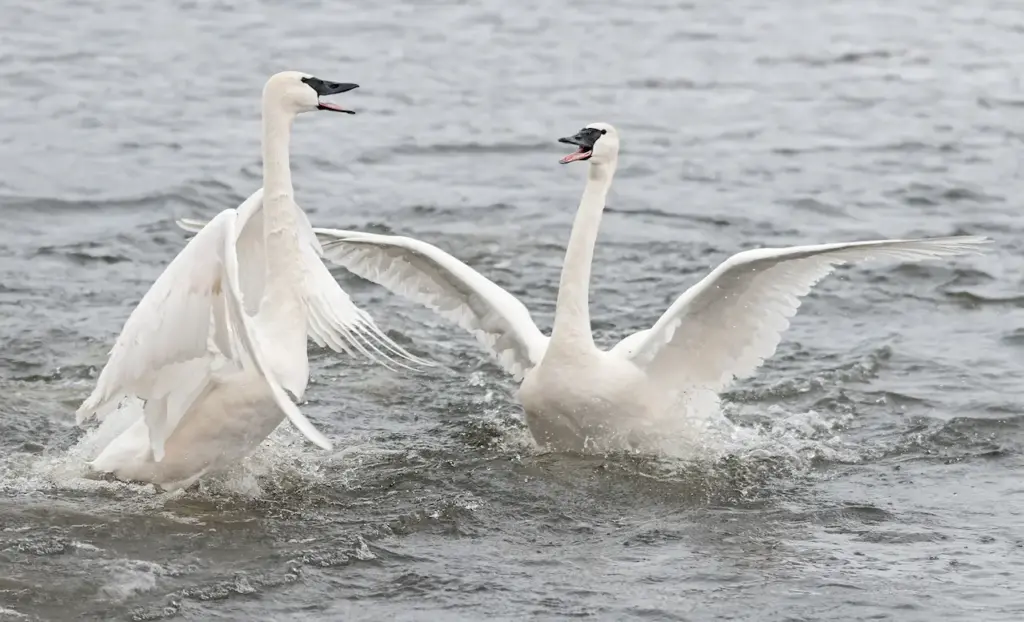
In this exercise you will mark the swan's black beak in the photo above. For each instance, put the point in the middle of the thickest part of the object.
(324, 88)
(584, 139)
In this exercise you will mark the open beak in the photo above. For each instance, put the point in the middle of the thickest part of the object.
(584, 140)
(333, 88)
(324, 88)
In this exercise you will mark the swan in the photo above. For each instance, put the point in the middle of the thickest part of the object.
(577, 397)
(206, 361)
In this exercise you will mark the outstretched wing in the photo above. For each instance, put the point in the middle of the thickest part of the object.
(166, 340)
(726, 325)
(191, 318)
(431, 277)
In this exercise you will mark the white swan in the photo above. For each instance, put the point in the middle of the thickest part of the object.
(578, 397)
(204, 361)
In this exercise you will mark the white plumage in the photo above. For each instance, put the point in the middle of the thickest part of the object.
(579, 397)
(204, 361)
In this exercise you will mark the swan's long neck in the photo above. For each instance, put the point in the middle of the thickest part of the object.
(277, 171)
(282, 309)
(572, 310)
(280, 217)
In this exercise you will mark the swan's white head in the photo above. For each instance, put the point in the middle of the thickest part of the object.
(296, 92)
(598, 143)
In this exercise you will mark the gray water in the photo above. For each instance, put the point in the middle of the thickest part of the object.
(881, 476)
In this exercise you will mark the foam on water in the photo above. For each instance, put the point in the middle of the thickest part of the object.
(126, 578)
(10, 613)
(704, 428)
(284, 457)
(285, 461)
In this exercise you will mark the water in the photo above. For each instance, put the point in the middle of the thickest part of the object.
(881, 477)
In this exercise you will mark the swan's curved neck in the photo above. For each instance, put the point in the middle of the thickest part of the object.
(572, 310)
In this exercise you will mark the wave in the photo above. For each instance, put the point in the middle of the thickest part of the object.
(204, 194)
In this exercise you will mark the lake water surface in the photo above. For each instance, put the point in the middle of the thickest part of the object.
(882, 476)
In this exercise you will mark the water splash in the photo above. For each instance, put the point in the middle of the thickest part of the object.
(285, 460)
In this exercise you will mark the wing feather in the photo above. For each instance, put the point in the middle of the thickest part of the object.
(170, 325)
(334, 321)
(726, 325)
(171, 339)
(166, 350)
(431, 277)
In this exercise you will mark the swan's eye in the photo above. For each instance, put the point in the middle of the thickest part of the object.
(603, 132)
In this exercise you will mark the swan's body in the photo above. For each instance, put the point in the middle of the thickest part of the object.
(592, 400)
(578, 397)
(203, 363)
(225, 425)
